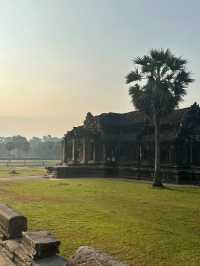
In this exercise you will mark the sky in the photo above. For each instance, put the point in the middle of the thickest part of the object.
(60, 59)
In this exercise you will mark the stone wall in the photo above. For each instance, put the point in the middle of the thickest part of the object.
(170, 174)
(19, 247)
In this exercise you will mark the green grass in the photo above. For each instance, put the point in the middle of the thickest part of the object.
(21, 171)
(127, 219)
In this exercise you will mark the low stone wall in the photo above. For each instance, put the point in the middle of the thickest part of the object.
(64, 171)
(19, 247)
(170, 173)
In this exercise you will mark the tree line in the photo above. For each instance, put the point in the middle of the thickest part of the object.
(19, 147)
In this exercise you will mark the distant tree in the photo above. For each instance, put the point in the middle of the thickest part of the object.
(3, 150)
(10, 146)
(158, 85)
(19, 145)
(47, 147)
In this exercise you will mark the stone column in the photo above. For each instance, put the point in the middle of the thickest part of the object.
(84, 159)
(64, 151)
(104, 152)
(169, 148)
(140, 152)
(94, 151)
(191, 152)
(73, 150)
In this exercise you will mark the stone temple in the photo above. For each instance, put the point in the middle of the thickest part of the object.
(122, 145)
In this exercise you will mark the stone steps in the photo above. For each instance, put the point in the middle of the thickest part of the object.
(19, 248)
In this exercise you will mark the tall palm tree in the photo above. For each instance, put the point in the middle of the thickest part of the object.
(158, 85)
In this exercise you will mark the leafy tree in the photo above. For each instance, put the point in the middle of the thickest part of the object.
(158, 85)
(19, 144)
(10, 146)
(47, 147)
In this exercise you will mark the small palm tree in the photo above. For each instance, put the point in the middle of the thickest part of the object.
(158, 85)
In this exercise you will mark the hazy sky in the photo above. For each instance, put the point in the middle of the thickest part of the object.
(60, 59)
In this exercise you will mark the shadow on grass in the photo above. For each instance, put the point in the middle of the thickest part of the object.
(183, 189)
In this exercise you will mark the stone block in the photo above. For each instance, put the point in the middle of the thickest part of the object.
(12, 223)
(41, 244)
(5, 261)
(87, 256)
(16, 251)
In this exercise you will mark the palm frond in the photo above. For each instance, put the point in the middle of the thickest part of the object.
(176, 63)
(140, 99)
(184, 77)
(170, 76)
(148, 68)
(133, 76)
(143, 61)
(164, 70)
(168, 53)
(134, 90)
(159, 55)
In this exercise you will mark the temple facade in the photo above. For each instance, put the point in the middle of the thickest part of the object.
(113, 144)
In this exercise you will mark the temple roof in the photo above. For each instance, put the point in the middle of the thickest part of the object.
(135, 124)
(137, 117)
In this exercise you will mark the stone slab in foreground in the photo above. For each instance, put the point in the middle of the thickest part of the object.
(87, 256)
(41, 244)
(12, 224)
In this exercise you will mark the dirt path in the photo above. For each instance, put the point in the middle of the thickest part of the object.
(16, 178)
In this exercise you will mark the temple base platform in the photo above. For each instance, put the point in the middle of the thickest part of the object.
(169, 173)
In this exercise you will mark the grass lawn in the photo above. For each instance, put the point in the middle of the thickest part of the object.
(21, 171)
(128, 219)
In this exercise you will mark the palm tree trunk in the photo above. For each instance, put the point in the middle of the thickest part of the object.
(157, 177)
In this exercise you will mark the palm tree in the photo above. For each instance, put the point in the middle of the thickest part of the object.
(158, 85)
